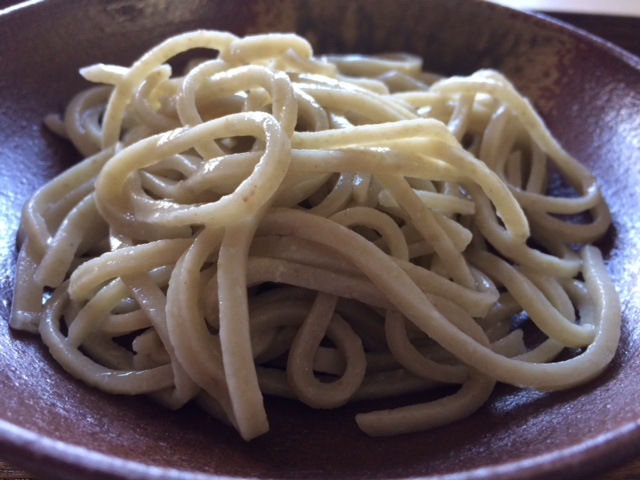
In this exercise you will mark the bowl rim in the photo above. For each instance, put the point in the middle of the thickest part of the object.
(42, 454)
(58, 459)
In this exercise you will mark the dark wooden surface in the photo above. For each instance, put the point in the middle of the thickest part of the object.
(621, 31)
(9, 472)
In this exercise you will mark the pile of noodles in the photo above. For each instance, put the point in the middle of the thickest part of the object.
(328, 229)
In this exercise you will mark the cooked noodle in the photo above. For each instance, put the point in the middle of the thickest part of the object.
(327, 229)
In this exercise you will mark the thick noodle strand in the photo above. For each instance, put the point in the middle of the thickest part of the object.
(326, 229)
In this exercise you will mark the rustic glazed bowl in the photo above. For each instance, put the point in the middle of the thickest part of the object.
(588, 92)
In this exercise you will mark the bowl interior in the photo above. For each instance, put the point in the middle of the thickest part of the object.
(588, 93)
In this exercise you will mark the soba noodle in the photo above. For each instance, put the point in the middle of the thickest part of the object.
(327, 229)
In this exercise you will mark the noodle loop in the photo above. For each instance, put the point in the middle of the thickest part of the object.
(327, 229)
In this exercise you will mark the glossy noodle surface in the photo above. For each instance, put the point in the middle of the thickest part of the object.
(327, 228)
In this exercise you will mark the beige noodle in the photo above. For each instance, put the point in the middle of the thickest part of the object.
(328, 229)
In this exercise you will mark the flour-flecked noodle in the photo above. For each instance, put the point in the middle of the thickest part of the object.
(327, 229)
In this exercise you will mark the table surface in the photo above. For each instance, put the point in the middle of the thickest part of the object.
(622, 31)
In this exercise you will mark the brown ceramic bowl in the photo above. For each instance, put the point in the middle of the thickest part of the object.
(589, 93)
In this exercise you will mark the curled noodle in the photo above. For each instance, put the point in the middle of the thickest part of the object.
(327, 229)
